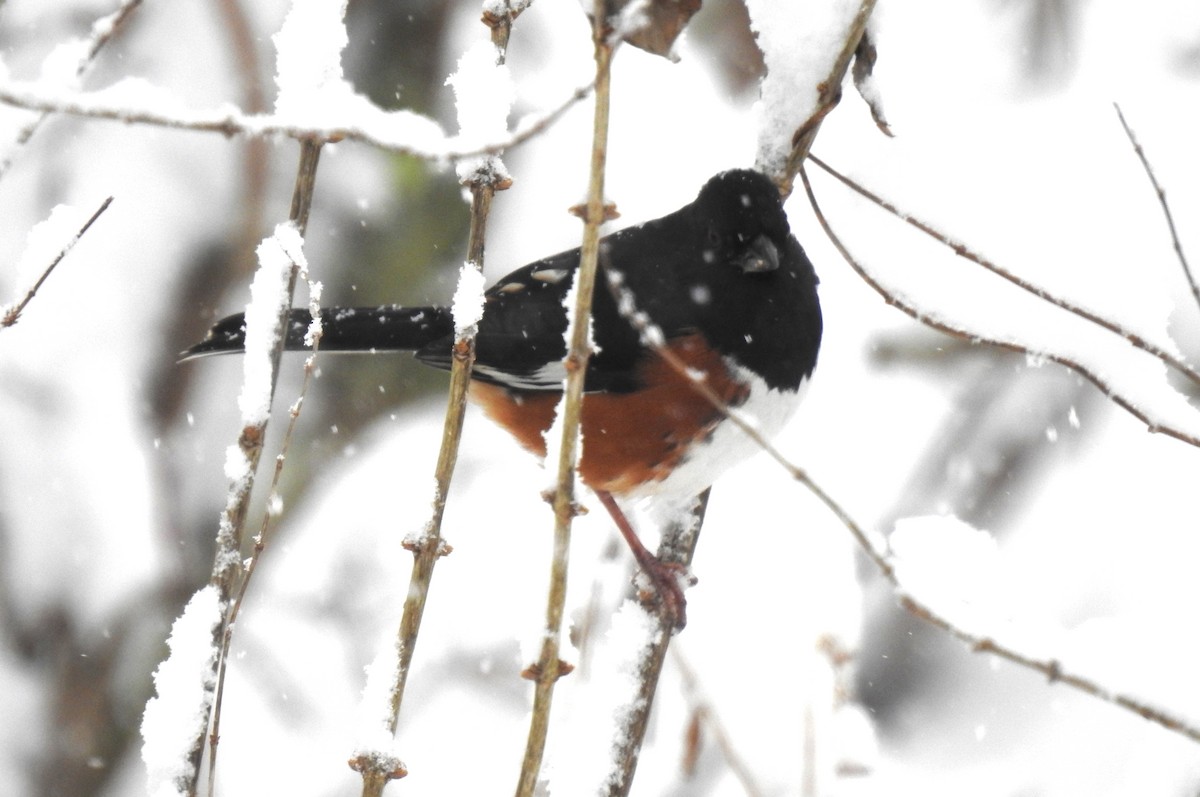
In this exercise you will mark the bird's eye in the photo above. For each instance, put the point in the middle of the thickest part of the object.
(714, 238)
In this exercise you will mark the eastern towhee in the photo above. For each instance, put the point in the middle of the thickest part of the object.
(723, 284)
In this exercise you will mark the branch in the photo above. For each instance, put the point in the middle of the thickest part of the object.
(678, 545)
(873, 546)
(274, 508)
(878, 555)
(548, 668)
(243, 457)
(1162, 201)
(904, 305)
(103, 30)
(484, 179)
(400, 132)
(1137, 341)
(9, 315)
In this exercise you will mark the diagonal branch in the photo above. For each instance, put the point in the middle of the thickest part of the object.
(1137, 341)
(908, 308)
(875, 548)
(1162, 201)
(11, 314)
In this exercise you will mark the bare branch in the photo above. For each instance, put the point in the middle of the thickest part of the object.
(548, 668)
(1162, 201)
(1137, 341)
(11, 314)
(678, 545)
(902, 304)
(260, 540)
(227, 559)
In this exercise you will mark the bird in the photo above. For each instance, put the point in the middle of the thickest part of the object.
(721, 283)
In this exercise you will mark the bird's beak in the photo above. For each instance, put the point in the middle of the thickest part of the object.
(762, 255)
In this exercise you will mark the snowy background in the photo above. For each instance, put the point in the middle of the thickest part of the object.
(111, 467)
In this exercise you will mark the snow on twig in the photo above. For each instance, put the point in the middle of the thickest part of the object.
(67, 63)
(355, 118)
(47, 244)
(176, 719)
(807, 49)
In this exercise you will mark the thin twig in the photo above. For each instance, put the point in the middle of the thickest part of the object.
(1135, 340)
(227, 561)
(378, 771)
(1052, 669)
(902, 304)
(706, 714)
(13, 313)
(1162, 201)
(548, 668)
(103, 30)
(260, 540)
(677, 546)
(232, 122)
(829, 94)
(875, 549)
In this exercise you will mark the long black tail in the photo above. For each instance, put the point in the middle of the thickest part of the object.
(386, 328)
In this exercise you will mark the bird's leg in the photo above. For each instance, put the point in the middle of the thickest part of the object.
(664, 575)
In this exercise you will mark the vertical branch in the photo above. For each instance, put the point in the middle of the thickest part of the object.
(377, 769)
(546, 671)
(678, 545)
(10, 314)
(231, 531)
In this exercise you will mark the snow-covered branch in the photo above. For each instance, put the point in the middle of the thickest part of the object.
(348, 116)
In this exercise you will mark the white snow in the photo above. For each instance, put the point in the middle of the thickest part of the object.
(45, 241)
(596, 715)
(278, 255)
(309, 57)
(483, 96)
(177, 717)
(799, 42)
(373, 739)
(467, 307)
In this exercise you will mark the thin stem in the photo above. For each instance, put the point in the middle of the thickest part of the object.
(260, 543)
(378, 771)
(678, 545)
(227, 569)
(962, 250)
(705, 713)
(1051, 668)
(911, 310)
(546, 671)
(13, 314)
(235, 122)
(829, 94)
(103, 30)
(1162, 201)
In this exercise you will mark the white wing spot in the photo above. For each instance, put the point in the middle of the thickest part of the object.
(550, 275)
